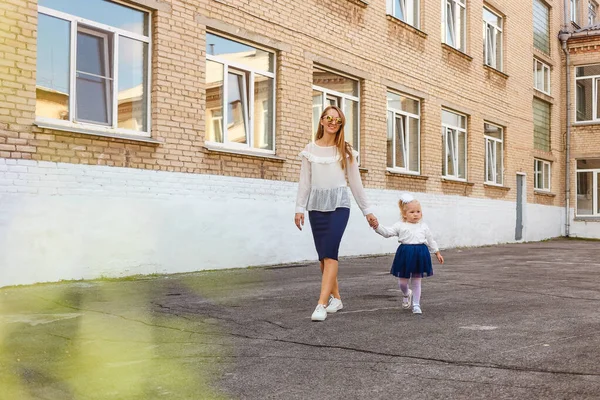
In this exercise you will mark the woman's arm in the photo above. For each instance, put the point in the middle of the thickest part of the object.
(303, 192)
(356, 186)
(303, 186)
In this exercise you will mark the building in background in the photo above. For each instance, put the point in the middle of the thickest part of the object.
(157, 136)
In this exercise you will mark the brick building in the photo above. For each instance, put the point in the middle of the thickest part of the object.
(153, 136)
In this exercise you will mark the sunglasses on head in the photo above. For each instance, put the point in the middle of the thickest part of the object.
(333, 120)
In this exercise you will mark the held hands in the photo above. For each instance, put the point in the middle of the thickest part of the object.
(299, 220)
(439, 257)
(373, 223)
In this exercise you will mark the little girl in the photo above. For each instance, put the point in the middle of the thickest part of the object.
(412, 257)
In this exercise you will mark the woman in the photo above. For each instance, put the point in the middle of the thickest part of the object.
(322, 191)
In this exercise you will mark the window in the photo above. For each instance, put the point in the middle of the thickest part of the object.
(93, 66)
(492, 39)
(403, 133)
(541, 125)
(575, 11)
(587, 82)
(240, 95)
(541, 26)
(541, 174)
(541, 76)
(454, 24)
(454, 135)
(592, 7)
(588, 188)
(330, 88)
(404, 10)
(494, 156)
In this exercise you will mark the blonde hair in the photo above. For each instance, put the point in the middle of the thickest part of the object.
(404, 206)
(343, 147)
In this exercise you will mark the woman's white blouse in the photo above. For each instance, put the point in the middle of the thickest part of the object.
(408, 233)
(322, 185)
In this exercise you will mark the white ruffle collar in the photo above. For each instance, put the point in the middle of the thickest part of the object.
(323, 160)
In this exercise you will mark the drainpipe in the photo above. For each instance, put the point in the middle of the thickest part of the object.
(564, 36)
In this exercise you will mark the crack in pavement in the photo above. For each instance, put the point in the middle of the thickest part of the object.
(219, 334)
(474, 364)
(276, 324)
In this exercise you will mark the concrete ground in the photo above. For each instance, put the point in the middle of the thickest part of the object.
(518, 321)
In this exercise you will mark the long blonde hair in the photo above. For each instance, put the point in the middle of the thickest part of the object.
(343, 147)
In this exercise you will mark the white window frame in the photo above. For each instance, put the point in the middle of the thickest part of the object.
(409, 9)
(574, 10)
(339, 99)
(595, 199)
(451, 23)
(539, 175)
(489, 48)
(249, 112)
(545, 75)
(595, 83)
(491, 152)
(406, 116)
(592, 12)
(109, 81)
(72, 122)
(450, 138)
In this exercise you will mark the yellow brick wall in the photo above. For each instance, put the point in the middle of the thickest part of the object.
(356, 39)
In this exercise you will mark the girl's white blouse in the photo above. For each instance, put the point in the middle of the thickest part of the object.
(322, 185)
(408, 233)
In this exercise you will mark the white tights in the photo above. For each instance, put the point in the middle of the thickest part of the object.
(416, 288)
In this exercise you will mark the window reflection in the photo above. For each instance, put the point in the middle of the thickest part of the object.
(104, 11)
(132, 96)
(52, 79)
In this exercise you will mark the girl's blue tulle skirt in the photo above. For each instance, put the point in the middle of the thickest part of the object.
(412, 260)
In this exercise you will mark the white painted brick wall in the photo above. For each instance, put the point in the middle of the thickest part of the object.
(66, 221)
(584, 229)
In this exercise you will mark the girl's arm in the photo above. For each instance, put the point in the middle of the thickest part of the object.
(356, 186)
(303, 186)
(386, 232)
(433, 247)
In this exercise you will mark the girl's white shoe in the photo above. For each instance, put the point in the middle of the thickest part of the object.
(417, 309)
(406, 304)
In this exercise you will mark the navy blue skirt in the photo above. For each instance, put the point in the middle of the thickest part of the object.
(328, 228)
(412, 260)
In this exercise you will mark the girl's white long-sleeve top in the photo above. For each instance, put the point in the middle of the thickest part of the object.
(408, 233)
(322, 185)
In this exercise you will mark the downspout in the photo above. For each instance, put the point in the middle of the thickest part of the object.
(564, 36)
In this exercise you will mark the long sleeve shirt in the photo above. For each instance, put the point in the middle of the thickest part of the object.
(323, 186)
(408, 233)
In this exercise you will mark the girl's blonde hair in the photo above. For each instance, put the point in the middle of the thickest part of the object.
(403, 205)
(343, 147)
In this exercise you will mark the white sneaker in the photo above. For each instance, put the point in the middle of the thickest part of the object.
(417, 309)
(334, 305)
(319, 314)
(407, 305)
